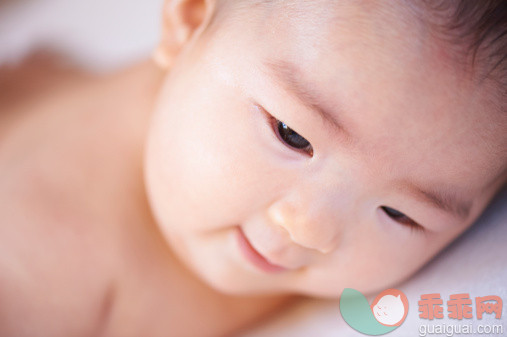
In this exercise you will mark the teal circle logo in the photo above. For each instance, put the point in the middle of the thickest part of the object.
(386, 313)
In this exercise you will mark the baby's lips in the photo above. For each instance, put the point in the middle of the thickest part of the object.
(275, 256)
(253, 256)
(276, 246)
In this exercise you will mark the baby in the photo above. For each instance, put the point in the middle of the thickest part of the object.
(273, 150)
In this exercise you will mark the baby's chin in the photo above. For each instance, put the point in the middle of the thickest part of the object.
(227, 281)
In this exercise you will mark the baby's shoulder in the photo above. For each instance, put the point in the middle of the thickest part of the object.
(51, 277)
(54, 272)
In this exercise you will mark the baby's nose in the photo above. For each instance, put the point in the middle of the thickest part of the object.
(311, 224)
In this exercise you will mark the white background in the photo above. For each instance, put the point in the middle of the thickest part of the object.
(98, 34)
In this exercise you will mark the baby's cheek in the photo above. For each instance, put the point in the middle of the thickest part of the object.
(181, 177)
(206, 174)
(374, 260)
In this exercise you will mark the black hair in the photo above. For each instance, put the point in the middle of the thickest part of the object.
(479, 28)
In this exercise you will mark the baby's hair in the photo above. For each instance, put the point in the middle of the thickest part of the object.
(478, 29)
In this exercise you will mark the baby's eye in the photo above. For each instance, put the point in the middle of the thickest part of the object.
(402, 218)
(290, 137)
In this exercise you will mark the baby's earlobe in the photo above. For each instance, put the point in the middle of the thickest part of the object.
(161, 58)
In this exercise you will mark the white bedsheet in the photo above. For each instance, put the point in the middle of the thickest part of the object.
(100, 35)
(108, 34)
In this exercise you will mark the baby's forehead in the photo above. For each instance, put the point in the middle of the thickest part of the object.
(334, 17)
(389, 29)
(382, 30)
(378, 66)
(379, 41)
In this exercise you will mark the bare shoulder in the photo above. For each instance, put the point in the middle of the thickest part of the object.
(51, 284)
(55, 258)
(74, 221)
(52, 277)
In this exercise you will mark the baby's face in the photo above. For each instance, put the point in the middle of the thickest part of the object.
(337, 141)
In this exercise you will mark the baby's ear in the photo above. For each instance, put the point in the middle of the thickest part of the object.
(181, 19)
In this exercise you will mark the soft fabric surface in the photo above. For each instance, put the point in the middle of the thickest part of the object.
(108, 34)
(101, 35)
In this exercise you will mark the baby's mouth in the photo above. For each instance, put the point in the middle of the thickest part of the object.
(253, 256)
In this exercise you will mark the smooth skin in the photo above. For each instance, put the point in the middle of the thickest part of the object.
(216, 161)
(121, 195)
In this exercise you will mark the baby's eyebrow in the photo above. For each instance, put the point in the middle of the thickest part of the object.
(291, 78)
(443, 199)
